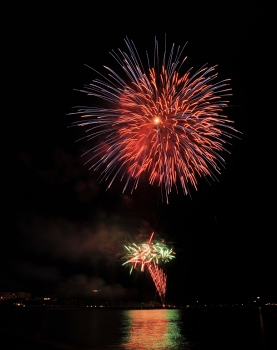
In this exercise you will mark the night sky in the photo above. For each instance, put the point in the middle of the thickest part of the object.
(62, 233)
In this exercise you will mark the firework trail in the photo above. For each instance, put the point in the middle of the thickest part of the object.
(157, 123)
(150, 254)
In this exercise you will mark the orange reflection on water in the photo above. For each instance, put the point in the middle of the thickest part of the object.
(153, 329)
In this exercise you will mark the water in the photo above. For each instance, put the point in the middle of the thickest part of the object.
(118, 329)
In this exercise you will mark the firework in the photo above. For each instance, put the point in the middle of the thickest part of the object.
(150, 254)
(157, 123)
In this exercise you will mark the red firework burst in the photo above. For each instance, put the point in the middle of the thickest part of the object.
(157, 122)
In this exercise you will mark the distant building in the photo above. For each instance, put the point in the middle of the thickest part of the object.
(15, 295)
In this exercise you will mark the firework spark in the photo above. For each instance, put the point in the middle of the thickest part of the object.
(157, 123)
(150, 254)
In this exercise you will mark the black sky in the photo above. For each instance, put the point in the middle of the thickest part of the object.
(61, 231)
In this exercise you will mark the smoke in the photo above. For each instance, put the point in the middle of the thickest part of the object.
(90, 287)
(75, 258)
(67, 235)
(70, 241)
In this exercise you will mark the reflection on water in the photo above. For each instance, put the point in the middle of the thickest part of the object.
(157, 329)
(261, 322)
(117, 329)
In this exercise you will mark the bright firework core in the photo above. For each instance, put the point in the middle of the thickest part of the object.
(156, 122)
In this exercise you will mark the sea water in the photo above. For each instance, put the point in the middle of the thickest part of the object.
(226, 328)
